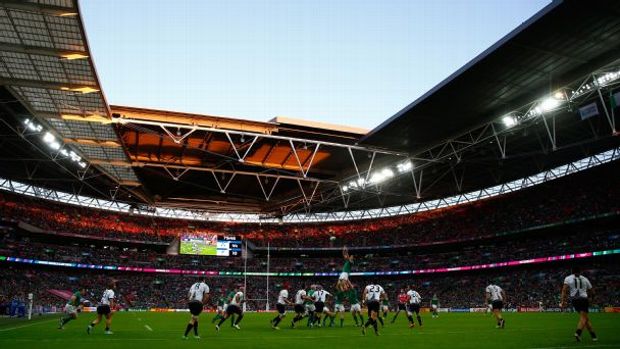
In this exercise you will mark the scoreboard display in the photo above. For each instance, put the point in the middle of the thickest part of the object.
(229, 246)
(210, 245)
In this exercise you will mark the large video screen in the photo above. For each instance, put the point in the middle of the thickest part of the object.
(210, 245)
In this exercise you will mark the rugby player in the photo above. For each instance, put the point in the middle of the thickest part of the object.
(577, 286)
(72, 308)
(496, 295)
(106, 304)
(198, 294)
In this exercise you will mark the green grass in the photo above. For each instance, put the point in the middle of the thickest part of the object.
(523, 330)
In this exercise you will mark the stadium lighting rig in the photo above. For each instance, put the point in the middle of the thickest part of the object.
(560, 99)
(54, 143)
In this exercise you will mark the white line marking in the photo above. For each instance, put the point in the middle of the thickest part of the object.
(148, 328)
(580, 346)
(27, 325)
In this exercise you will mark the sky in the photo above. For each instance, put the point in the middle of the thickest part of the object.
(353, 63)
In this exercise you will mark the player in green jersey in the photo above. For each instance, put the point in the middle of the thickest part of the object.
(343, 280)
(310, 305)
(73, 306)
(435, 306)
(339, 305)
(356, 308)
(221, 302)
(385, 308)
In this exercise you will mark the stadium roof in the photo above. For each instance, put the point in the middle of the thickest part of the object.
(59, 131)
(560, 44)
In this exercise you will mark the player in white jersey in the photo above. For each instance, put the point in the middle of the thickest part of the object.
(197, 295)
(281, 304)
(496, 296)
(320, 297)
(373, 294)
(235, 307)
(104, 309)
(579, 289)
(413, 306)
(301, 297)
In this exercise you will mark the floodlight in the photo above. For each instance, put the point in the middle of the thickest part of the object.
(404, 166)
(549, 103)
(49, 138)
(54, 145)
(509, 121)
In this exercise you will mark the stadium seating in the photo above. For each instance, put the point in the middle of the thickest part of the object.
(572, 197)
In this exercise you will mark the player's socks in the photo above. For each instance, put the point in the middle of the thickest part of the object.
(410, 318)
(232, 321)
(395, 316)
(374, 326)
(222, 320)
(355, 319)
(361, 319)
(578, 335)
(276, 321)
(187, 329)
(196, 329)
(331, 321)
(238, 320)
(593, 335)
(419, 320)
(381, 321)
(368, 323)
(216, 317)
(342, 322)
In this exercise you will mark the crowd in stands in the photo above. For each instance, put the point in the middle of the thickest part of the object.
(515, 248)
(576, 196)
(525, 287)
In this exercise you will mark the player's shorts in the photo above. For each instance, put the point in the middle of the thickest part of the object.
(104, 309)
(310, 307)
(344, 276)
(233, 309)
(300, 309)
(220, 308)
(434, 306)
(356, 307)
(339, 308)
(281, 308)
(373, 306)
(385, 308)
(413, 308)
(497, 305)
(70, 309)
(402, 306)
(195, 307)
(581, 304)
(319, 306)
